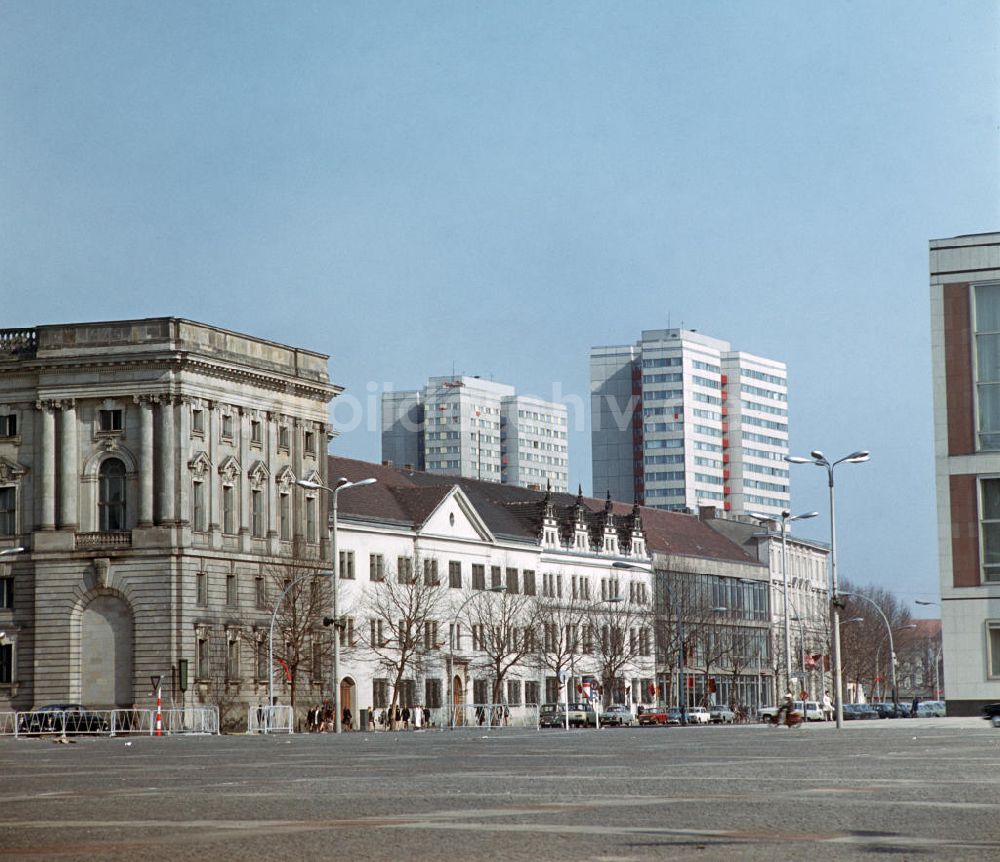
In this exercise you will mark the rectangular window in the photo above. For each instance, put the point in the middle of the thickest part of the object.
(531, 691)
(228, 509)
(233, 658)
(376, 567)
(8, 511)
(204, 669)
(478, 576)
(198, 507)
(432, 693)
(285, 517)
(552, 688)
(197, 421)
(257, 513)
(310, 443)
(993, 646)
(346, 632)
(431, 635)
(495, 574)
(480, 691)
(431, 578)
(514, 692)
(231, 590)
(404, 570)
(109, 421)
(311, 533)
(256, 433)
(529, 582)
(6, 664)
(283, 436)
(380, 693)
(455, 574)
(990, 528)
(8, 425)
(227, 426)
(6, 592)
(377, 634)
(512, 581)
(407, 692)
(260, 593)
(346, 565)
(201, 580)
(987, 315)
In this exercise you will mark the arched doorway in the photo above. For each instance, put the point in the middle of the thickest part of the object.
(457, 699)
(347, 701)
(106, 653)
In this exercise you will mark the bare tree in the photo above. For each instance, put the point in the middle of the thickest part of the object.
(504, 629)
(560, 624)
(865, 652)
(299, 599)
(623, 634)
(403, 610)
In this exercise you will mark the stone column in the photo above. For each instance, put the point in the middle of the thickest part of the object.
(167, 446)
(69, 478)
(183, 455)
(47, 473)
(146, 465)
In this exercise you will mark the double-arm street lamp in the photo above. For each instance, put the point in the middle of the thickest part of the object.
(342, 485)
(820, 460)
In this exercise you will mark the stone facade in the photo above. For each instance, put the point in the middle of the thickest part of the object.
(148, 468)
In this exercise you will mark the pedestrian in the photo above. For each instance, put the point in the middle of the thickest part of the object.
(371, 719)
(347, 719)
(418, 715)
(406, 718)
(915, 707)
(427, 717)
(827, 706)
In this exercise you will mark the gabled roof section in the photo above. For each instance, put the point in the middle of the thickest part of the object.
(455, 517)
(508, 511)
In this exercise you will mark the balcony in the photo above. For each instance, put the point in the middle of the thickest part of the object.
(113, 539)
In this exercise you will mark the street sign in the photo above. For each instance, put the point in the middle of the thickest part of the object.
(155, 680)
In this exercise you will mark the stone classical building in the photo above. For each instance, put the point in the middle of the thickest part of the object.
(148, 468)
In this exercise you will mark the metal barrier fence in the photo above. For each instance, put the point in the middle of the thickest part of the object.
(270, 719)
(110, 722)
(493, 715)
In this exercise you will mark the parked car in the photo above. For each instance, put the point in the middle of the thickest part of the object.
(63, 717)
(660, 717)
(812, 710)
(721, 714)
(930, 709)
(618, 714)
(991, 712)
(698, 715)
(551, 715)
(888, 709)
(859, 711)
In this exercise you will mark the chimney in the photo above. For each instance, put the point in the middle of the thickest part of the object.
(706, 513)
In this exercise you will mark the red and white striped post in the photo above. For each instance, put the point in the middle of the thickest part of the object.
(159, 712)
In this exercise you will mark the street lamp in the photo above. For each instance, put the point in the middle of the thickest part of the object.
(937, 653)
(270, 635)
(892, 647)
(820, 460)
(496, 588)
(6, 552)
(342, 484)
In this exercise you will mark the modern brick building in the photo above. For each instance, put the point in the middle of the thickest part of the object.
(965, 355)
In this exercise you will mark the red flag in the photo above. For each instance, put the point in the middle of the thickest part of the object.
(288, 672)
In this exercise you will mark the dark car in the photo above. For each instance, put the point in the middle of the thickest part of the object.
(859, 711)
(63, 718)
(991, 712)
(552, 715)
(892, 710)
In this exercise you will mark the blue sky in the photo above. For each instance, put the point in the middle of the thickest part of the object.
(414, 187)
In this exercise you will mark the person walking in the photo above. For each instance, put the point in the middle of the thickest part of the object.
(827, 706)
(406, 718)
(347, 719)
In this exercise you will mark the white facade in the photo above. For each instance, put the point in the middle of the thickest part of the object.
(467, 426)
(680, 420)
(965, 337)
(454, 539)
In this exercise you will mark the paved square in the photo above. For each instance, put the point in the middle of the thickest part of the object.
(910, 789)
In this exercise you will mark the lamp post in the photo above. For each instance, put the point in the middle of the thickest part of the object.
(270, 635)
(342, 484)
(820, 460)
(6, 552)
(498, 588)
(892, 647)
(936, 651)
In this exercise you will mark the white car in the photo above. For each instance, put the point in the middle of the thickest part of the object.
(698, 715)
(813, 710)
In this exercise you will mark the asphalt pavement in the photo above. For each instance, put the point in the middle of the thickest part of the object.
(908, 788)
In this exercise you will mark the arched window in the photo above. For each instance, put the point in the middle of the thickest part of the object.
(111, 500)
